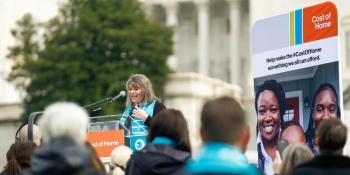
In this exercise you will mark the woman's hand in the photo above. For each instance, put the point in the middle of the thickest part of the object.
(139, 113)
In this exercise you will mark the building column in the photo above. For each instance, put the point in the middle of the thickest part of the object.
(235, 20)
(172, 21)
(147, 7)
(203, 36)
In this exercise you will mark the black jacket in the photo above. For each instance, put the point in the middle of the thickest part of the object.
(61, 157)
(157, 159)
(157, 108)
(325, 164)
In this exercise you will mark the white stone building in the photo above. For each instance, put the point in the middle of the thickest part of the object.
(10, 98)
(211, 58)
(211, 53)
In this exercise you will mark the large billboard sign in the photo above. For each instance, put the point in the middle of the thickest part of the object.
(296, 77)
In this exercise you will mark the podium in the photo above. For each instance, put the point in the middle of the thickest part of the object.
(104, 135)
(104, 123)
(135, 134)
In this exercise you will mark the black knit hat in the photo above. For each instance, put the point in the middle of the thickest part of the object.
(277, 89)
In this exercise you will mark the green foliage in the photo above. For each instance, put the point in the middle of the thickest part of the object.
(87, 53)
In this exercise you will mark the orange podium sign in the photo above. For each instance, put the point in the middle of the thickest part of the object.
(105, 141)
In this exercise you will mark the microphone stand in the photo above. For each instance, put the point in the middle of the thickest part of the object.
(31, 120)
(103, 101)
(32, 117)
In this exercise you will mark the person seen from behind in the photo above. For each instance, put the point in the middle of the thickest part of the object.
(95, 159)
(294, 155)
(225, 133)
(18, 157)
(119, 158)
(168, 149)
(23, 134)
(63, 126)
(330, 139)
(293, 133)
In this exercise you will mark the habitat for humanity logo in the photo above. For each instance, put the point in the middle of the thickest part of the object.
(139, 144)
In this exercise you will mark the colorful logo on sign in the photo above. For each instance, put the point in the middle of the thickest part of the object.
(139, 144)
(313, 23)
(299, 39)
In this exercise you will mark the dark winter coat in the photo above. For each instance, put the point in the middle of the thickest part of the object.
(325, 164)
(157, 159)
(61, 157)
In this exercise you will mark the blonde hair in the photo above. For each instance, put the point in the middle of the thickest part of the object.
(118, 171)
(141, 81)
(120, 157)
(294, 155)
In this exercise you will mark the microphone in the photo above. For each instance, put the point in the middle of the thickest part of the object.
(105, 101)
(121, 94)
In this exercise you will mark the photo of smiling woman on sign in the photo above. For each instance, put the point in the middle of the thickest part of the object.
(270, 107)
(324, 106)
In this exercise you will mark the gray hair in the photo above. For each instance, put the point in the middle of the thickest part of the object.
(140, 80)
(294, 155)
(64, 119)
(332, 135)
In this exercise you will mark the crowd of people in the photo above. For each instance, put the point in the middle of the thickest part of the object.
(60, 146)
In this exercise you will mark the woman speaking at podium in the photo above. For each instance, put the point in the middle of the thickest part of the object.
(141, 104)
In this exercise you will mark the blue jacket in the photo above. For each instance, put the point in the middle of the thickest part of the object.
(221, 158)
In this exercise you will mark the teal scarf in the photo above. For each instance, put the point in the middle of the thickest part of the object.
(138, 126)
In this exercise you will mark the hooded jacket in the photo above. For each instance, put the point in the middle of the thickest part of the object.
(157, 159)
(61, 156)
